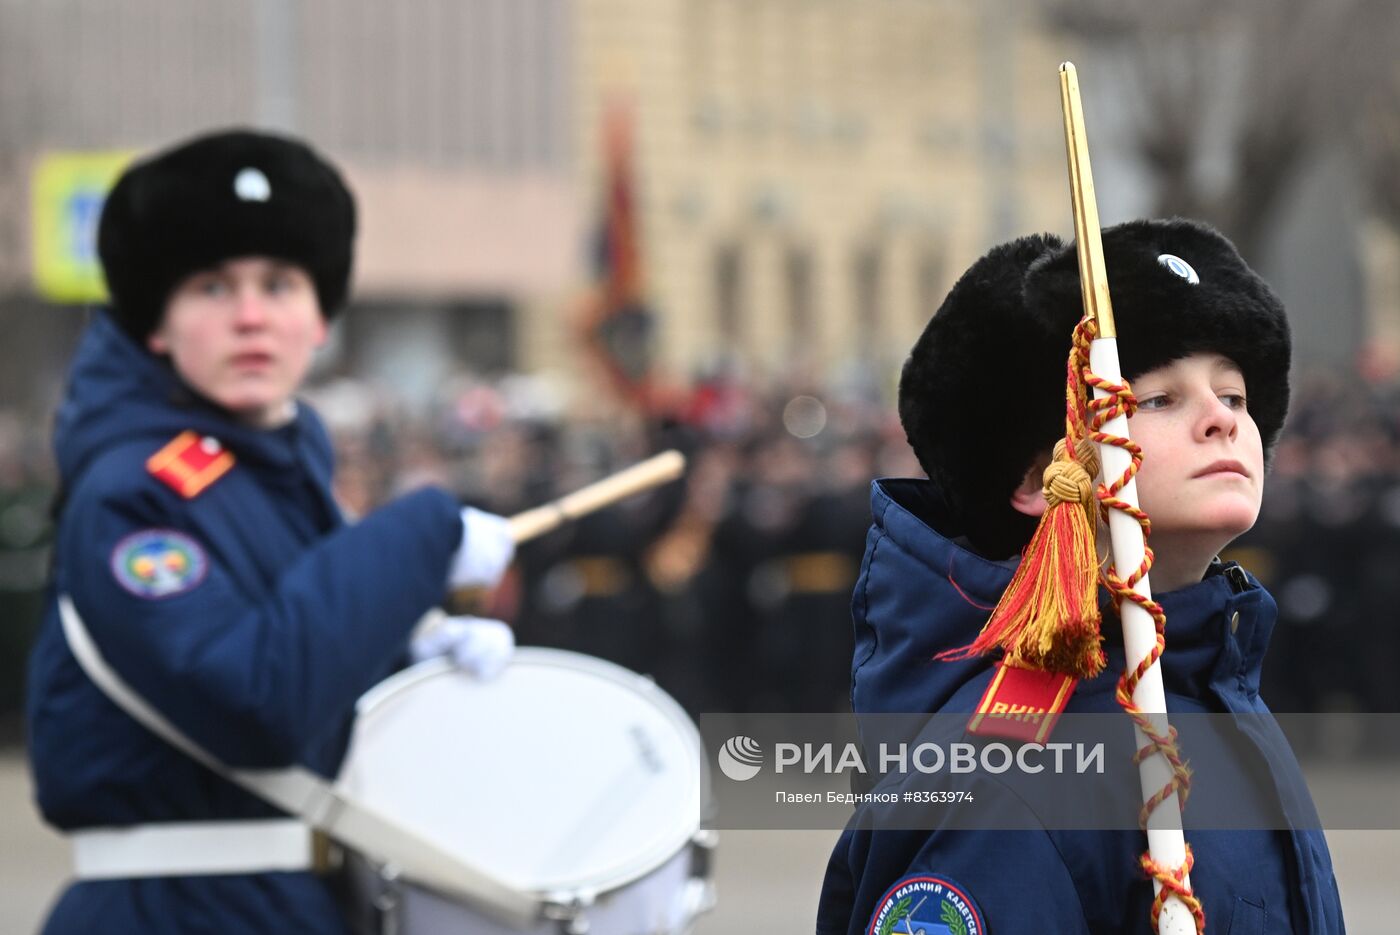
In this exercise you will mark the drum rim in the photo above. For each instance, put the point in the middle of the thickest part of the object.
(630, 871)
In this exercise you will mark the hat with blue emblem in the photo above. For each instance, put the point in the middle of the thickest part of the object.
(217, 197)
(1000, 341)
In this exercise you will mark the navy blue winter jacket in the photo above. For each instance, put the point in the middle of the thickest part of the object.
(273, 618)
(919, 593)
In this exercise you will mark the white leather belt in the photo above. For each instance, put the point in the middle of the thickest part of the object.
(178, 849)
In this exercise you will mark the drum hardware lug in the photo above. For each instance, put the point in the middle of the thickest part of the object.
(700, 897)
(567, 908)
(702, 858)
(389, 897)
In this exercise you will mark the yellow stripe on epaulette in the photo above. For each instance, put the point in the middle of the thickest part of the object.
(190, 463)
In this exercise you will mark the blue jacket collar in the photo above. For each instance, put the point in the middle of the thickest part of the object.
(119, 392)
(921, 592)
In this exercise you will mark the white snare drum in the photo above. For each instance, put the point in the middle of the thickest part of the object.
(567, 777)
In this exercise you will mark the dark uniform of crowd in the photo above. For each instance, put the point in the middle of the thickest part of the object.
(732, 587)
(1327, 545)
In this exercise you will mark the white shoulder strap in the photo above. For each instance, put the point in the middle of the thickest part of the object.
(301, 792)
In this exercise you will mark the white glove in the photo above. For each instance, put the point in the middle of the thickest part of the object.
(474, 644)
(485, 551)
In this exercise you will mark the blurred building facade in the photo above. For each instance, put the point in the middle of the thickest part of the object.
(452, 120)
(810, 175)
(814, 175)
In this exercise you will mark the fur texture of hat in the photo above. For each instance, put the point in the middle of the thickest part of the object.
(217, 197)
(982, 393)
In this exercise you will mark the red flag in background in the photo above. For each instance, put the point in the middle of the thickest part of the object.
(618, 325)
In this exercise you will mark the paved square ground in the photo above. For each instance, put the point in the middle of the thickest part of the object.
(768, 881)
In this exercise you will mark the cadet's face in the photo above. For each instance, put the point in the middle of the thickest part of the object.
(242, 334)
(1202, 474)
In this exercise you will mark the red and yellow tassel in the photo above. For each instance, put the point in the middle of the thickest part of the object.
(1048, 618)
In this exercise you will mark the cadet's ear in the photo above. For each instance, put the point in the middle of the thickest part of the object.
(156, 342)
(1029, 495)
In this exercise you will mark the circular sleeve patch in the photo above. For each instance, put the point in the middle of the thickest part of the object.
(927, 905)
(156, 563)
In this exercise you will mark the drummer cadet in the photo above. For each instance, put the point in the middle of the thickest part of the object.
(1206, 345)
(200, 545)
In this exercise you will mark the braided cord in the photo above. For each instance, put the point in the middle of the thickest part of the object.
(1085, 417)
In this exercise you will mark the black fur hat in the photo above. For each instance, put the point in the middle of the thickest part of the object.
(217, 197)
(994, 355)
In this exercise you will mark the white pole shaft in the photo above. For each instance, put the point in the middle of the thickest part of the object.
(1165, 841)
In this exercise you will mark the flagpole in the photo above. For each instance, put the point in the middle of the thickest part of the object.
(1166, 842)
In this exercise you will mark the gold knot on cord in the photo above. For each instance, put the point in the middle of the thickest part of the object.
(1071, 480)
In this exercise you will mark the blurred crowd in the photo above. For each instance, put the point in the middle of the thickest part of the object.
(732, 586)
(1327, 545)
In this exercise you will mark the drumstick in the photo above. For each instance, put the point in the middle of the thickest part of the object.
(642, 476)
(535, 522)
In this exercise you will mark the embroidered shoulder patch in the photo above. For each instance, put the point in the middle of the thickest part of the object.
(190, 463)
(156, 563)
(927, 905)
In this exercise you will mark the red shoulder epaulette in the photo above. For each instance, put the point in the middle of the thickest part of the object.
(190, 463)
